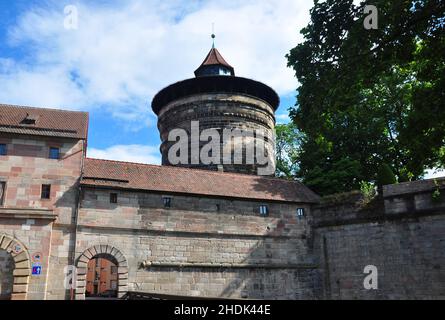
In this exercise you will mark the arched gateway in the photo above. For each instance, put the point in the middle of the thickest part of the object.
(21, 266)
(101, 251)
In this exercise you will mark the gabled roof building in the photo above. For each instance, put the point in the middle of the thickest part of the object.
(221, 225)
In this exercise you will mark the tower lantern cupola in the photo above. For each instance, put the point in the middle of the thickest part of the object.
(214, 65)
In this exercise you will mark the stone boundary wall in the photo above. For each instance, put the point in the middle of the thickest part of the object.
(195, 249)
(401, 233)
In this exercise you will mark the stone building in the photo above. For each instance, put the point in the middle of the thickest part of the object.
(40, 168)
(179, 230)
(169, 229)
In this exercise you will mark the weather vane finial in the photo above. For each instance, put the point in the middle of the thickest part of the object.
(213, 35)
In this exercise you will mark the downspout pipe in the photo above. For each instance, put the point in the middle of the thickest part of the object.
(75, 220)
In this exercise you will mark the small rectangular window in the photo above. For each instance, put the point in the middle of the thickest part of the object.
(46, 191)
(264, 210)
(54, 153)
(3, 150)
(167, 202)
(300, 213)
(2, 192)
(113, 197)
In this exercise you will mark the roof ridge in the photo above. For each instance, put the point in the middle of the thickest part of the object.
(32, 127)
(195, 169)
(41, 108)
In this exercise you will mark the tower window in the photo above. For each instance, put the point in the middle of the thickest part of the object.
(3, 150)
(54, 153)
(300, 213)
(264, 210)
(46, 191)
(113, 197)
(167, 202)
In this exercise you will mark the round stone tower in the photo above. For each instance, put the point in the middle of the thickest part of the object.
(218, 108)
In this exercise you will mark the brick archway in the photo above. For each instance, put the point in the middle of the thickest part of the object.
(22, 265)
(103, 250)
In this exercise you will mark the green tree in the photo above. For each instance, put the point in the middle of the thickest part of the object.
(288, 141)
(385, 175)
(370, 97)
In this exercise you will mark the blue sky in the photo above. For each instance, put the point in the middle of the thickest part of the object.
(123, 52)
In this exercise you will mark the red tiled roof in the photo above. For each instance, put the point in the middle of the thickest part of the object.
(48, 122)
(169, 179)
(215, 58)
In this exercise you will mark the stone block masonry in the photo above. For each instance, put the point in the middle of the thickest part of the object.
(196, 249)
(222, 247)
(401, 233)
(218, 111)
(204, 241)
(43, 226)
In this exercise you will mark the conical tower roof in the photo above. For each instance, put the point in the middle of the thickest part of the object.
(212, 60)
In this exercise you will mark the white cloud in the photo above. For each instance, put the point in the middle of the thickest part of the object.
(129, 153)
(124, 52)
(282, 118)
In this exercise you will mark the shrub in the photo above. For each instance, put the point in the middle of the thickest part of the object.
(385, 175)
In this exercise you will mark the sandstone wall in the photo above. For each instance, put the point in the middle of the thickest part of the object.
(43, 226)
(402, 234)
(219, 111)
(214, 246)
(193, 248)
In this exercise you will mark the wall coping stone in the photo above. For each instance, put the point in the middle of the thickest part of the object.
(28, 213)
(411, 187)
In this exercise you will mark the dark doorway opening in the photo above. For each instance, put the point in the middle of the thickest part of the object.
(7, 266)
(102, 277)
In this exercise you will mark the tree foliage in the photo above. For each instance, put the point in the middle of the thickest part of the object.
(370, 97)
(288, 140)
(385, 175)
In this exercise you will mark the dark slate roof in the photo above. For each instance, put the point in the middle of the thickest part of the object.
(168, 179)
(215, 84)
(43, 122)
